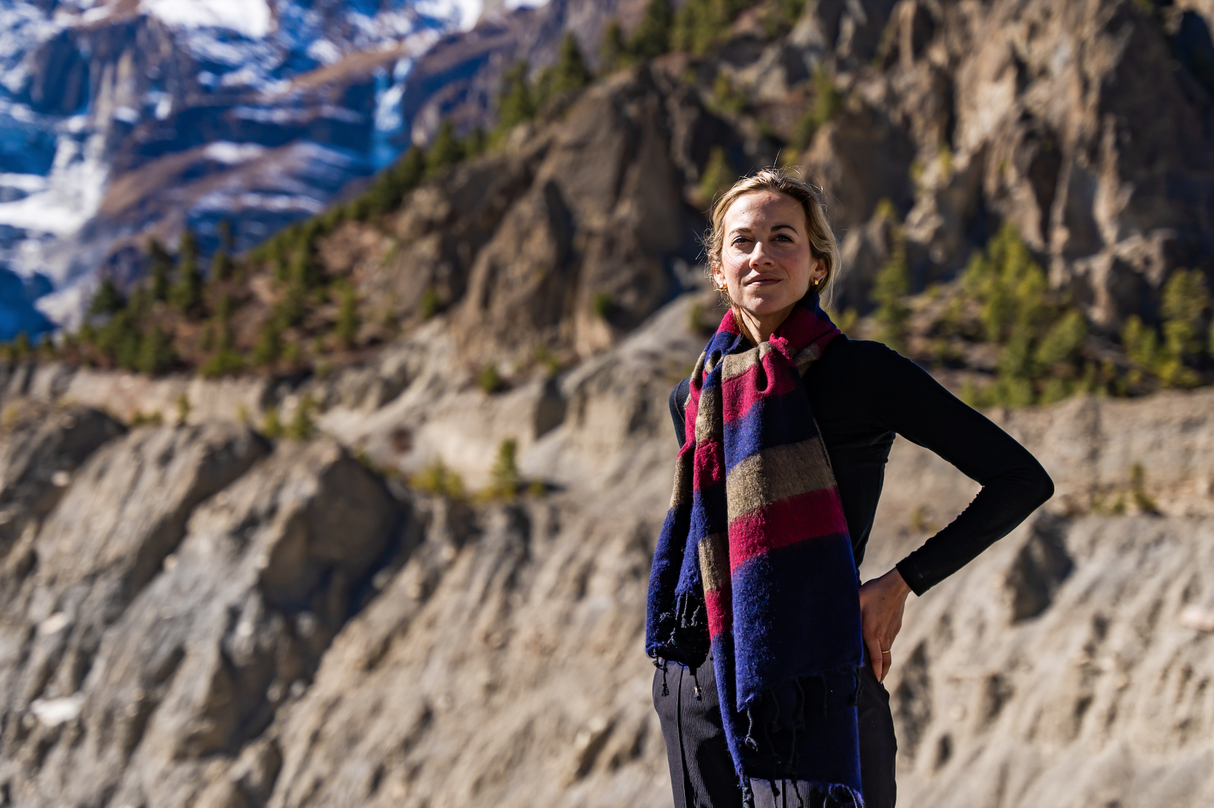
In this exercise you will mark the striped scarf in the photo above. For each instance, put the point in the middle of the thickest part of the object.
(754, 562)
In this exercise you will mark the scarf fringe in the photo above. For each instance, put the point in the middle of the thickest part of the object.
(796, 724)
(821, 795)
(688, 641)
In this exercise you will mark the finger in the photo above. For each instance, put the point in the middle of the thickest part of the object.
(875, 659)
(886, 662)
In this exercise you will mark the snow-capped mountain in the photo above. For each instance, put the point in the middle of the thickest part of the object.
(122, 120)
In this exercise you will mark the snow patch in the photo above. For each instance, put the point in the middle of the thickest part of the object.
(30, 183)
(250, 18)
(95, 14)
(46, 212)
(324, 51)
(72, 194)
(233, 153)
(164, 107)
(461, 14)
(279, 203)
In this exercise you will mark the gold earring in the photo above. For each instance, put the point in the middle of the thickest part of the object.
(723, 288)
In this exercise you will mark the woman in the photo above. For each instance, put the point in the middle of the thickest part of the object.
(770, 653)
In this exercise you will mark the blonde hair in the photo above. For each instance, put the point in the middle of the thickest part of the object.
(822, 241)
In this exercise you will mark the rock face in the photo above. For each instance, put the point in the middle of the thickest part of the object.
(585, 229)
(43, 447)
(1009, 122)
(960, 116)
(152, 646)
(562, 242)
(205, 618)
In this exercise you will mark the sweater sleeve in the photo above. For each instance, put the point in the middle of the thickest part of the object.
(903, 397)
(678, 400)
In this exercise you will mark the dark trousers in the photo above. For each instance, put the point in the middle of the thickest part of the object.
(701, 771)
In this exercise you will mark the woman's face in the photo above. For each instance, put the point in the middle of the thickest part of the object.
(766, 261)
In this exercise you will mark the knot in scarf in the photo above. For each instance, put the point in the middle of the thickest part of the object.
(754, 563)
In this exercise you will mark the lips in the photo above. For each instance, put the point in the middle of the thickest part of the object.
(764, 280)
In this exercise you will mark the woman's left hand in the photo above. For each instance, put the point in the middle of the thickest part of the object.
(882, 601)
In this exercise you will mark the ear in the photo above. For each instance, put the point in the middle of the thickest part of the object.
(815, 264)
(718, 275)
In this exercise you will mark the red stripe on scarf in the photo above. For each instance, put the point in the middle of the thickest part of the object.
(718, 603)
(787, 521)
(802, 327)
(691, 409)
(709, 465)
(741, 392)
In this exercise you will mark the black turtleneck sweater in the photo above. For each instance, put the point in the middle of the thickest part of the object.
(862, 393)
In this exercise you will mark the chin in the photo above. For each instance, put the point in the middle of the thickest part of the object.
(766, 305)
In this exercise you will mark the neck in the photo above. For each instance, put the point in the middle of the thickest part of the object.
(759, 327)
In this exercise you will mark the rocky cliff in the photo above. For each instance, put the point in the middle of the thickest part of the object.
(1086, 125)
(195, 614)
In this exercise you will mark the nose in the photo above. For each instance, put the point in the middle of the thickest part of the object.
(758, 254)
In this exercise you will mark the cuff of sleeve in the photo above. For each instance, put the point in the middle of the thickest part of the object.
(914, 579)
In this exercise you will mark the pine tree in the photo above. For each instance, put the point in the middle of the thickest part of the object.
(446, 150)
(159, 269)
(391, 186)
(156, 353)
(696, 26)
(348, 320)
(652, 36)
(302, 426)
(108, 299)
(128, 348)
(476, 142)
(269, 343)
(1062, 343)
(276, 254)
(1184, 300)
(701, 24)
(890, 289)
(613, 52)
(827, 102)
(221, 267)
(140, 304)
(718, 175)
(226, 240)
(20, 347)
(271, 425)
(118, 340)
(570, 72)
(187, 292)
(410, 169)
(506, 480)
(514, 103)
(304, 270)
